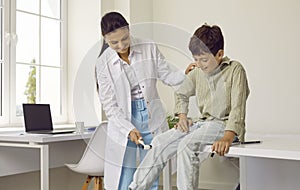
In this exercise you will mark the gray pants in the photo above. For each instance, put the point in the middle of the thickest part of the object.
(188, 149)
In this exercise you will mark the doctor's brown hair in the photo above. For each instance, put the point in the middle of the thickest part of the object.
(110, 22)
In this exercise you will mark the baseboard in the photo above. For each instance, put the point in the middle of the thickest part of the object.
(212, 186)
(217, 186)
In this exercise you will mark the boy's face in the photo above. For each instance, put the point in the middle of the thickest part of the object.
(207, 62)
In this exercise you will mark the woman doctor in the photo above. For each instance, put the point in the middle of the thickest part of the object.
(127, 73)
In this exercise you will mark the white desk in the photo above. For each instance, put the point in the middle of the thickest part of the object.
(42, 142)
(273, 164)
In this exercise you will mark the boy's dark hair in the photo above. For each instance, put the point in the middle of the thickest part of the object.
(207, 39)
(112, 21)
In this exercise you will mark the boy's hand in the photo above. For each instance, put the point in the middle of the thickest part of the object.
(135, 135)
(221, 146)
(190, 68)
(184, 123)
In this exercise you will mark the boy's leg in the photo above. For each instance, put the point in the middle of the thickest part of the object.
(164, 146)
(189, 154)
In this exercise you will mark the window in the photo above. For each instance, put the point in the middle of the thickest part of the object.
(4, 56)
(1, 54)
(37, 57)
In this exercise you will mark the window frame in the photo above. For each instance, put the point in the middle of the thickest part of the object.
(9, 117)
(4, 118)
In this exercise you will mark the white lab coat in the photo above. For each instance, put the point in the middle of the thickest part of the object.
(115, 96)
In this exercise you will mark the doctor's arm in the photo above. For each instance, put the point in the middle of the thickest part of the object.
(167, 73)
(111, 108)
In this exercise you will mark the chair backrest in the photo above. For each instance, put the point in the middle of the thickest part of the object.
(92, 161)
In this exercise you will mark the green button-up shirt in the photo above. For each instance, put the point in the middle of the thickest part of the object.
(221, 95)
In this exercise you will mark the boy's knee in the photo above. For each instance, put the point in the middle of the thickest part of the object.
(156, 141)
(195, 147)
(161, 138)
(189, 147)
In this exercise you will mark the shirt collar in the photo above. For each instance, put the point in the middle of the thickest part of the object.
(135, 46)
(224, 63)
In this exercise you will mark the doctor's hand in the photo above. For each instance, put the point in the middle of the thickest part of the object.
(135, 135)
(184, 123)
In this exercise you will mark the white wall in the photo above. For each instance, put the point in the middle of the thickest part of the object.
(264, 36)
(83, 34)
(141, 11)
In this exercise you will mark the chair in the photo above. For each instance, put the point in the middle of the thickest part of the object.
(92, 160)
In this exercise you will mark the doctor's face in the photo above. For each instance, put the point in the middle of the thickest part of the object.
(119, 40)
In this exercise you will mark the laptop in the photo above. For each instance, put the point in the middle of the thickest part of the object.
(37, 119)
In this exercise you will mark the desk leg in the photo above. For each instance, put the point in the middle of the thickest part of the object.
(44, 167)
(167, 180)
(243, 173)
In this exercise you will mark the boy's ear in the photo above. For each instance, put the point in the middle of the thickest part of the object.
(219, 55)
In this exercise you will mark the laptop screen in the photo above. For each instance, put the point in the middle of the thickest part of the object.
(37, 117)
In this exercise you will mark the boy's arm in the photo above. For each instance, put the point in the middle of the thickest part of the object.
(236, 120)
(239, 95)
(184, 123)
(222, 146)
(182, 95)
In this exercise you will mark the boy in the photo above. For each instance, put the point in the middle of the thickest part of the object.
(221, 89)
